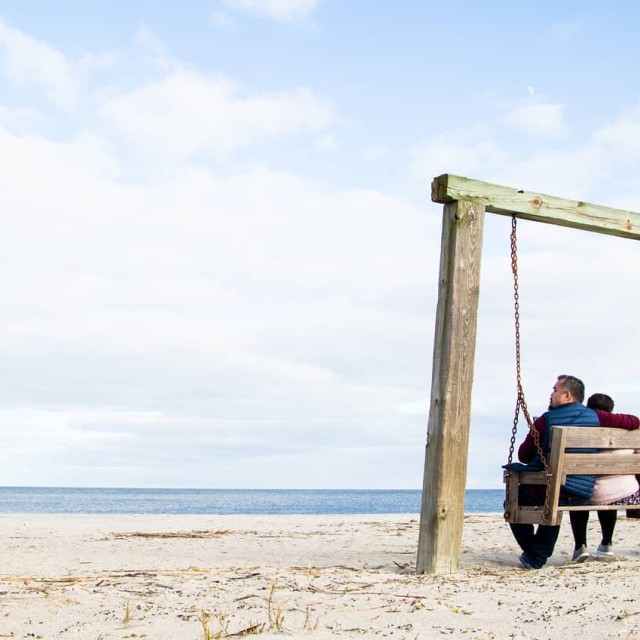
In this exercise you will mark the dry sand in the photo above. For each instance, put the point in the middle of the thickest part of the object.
(201, 577)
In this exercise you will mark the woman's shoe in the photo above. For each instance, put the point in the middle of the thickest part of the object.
(604, 551)
(581, 554)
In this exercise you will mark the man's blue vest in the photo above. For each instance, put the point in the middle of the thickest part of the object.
(573, 414)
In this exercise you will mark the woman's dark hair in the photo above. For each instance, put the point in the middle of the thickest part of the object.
(600, 401)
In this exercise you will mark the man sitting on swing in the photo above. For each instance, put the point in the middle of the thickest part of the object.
(565, 409)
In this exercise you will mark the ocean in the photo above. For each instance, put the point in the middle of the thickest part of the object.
(228, 501)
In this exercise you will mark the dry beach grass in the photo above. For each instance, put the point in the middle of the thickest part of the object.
(205, 577)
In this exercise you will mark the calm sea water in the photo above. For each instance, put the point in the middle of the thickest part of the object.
(227, 501)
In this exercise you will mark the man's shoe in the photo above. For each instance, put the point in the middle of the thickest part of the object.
(604, 551)
(526, 563)
(580, 555)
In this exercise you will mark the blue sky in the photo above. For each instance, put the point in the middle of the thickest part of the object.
(220, 255)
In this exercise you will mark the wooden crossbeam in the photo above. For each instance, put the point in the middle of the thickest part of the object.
(539, 207)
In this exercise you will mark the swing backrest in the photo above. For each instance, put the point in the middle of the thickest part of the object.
(572, 454)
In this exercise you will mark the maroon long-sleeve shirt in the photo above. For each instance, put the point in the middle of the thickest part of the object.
(527, 449)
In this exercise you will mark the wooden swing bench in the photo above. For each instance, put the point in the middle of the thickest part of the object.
(565, 458)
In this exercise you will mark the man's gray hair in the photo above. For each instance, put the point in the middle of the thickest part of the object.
(573, 385)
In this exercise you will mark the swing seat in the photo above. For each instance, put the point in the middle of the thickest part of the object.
(572, 454)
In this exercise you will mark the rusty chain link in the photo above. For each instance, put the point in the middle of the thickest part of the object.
(521, 404)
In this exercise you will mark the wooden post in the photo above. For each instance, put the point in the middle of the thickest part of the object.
(445, 469)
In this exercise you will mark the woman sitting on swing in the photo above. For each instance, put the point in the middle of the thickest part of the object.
(620, 490)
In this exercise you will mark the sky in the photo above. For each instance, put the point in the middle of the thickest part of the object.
(219, 252)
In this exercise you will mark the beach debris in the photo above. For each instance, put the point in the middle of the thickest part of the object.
(173, 534)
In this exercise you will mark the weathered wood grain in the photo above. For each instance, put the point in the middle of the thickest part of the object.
(445, 473)
(539, 207)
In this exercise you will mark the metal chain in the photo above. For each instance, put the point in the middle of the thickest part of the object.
(521, 404)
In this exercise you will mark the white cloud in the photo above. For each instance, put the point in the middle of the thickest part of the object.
(621, 138)
(145, 38)
(192, 301)
(281, 10)
(150, 55)
(191, 327)
(464, 152)
(327, 143)
(25, 61)
(11, 116)
(187, 112)
(58, 429)
(538, 119)
(598, 168)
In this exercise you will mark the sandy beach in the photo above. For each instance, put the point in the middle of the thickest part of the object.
(202, 577)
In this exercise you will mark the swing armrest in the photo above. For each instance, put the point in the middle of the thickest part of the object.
(513, 479)
(526, 477)
(532, 477)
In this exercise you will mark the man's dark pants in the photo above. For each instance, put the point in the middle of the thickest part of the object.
(538, 545)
